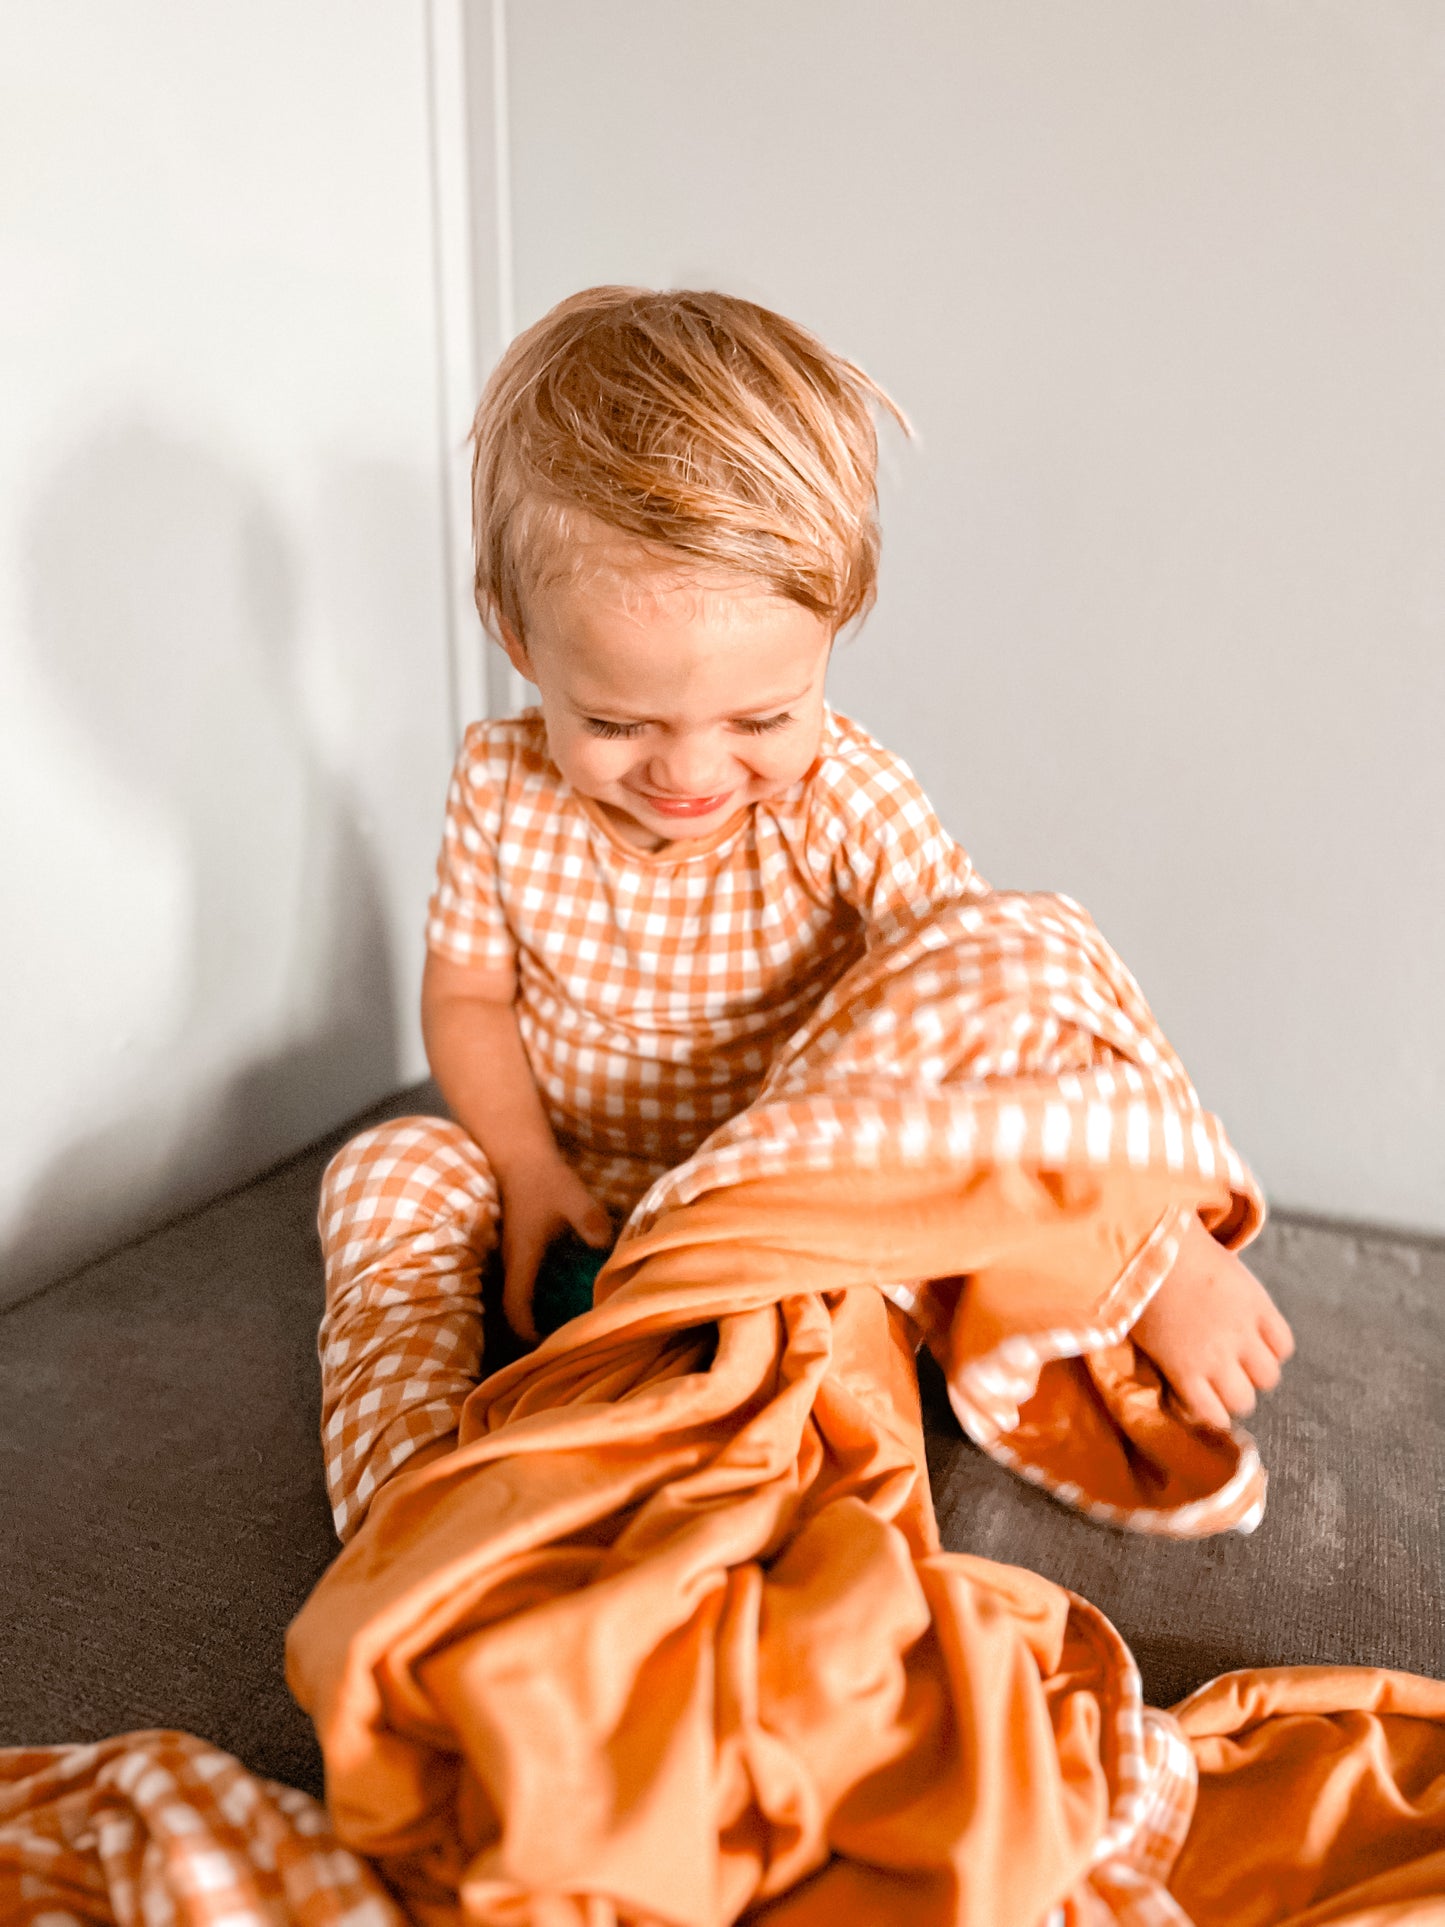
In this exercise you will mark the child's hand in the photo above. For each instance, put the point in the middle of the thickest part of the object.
(538, 1200)
(1214, 1332)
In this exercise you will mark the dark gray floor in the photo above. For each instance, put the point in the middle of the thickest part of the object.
(162, 1514)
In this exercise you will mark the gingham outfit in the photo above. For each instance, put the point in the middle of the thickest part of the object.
(653, 991)
(160, 1829)
(653, 988)
(1002, 1032)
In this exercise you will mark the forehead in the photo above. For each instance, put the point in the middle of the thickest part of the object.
(576, 555)
(628, 630)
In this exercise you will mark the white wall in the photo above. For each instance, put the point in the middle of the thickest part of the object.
(1163, 612)
(224, 711)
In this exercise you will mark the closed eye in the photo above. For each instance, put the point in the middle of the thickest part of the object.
(760, 725)
(599, 726)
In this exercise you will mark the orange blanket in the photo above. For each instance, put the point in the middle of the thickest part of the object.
(665, 1634)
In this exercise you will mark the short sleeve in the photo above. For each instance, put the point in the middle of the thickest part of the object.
(466, 921)
(885, 851)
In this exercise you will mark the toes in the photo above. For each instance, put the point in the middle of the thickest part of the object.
(1261, 1364)
(1234, 1389)
(1201, 1404)
(1276, 1333)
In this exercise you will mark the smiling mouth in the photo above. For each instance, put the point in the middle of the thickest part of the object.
(684, 805)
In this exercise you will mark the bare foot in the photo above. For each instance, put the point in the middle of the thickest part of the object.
(1214, 1332)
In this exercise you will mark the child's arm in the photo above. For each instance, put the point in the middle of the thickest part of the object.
(1214, 1332)
(477, 1056)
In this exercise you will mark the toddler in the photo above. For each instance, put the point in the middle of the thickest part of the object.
(648, 882)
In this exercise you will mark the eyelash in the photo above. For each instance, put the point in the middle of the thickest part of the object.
(597, 726)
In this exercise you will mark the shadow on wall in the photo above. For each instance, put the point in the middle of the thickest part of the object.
(163, 600)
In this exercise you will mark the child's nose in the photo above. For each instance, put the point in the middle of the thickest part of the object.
(690, 766)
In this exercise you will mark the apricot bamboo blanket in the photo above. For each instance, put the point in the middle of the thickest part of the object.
(664, 1633)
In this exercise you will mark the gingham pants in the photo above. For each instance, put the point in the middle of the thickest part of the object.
(409, 1212)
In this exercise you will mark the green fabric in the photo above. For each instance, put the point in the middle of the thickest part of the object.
(565, 1279)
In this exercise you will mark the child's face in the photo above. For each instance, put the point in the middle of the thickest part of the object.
(674, 700)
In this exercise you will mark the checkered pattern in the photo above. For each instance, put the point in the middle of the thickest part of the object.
(161, 1830)
(654, 988)
(408, 1214)
(1153, 1782)
(156, 1829)
(1004, 1031)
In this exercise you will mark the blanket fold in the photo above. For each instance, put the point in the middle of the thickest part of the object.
(660, 1633)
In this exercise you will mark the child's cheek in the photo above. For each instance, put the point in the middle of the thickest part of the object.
(787, 760)
(597, 761)
(571, 750)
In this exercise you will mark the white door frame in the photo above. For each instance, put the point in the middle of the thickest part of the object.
(473, 264)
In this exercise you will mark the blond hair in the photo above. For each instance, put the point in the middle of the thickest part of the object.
(706, 427)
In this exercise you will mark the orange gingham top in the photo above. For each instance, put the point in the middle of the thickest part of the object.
(654, 986)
